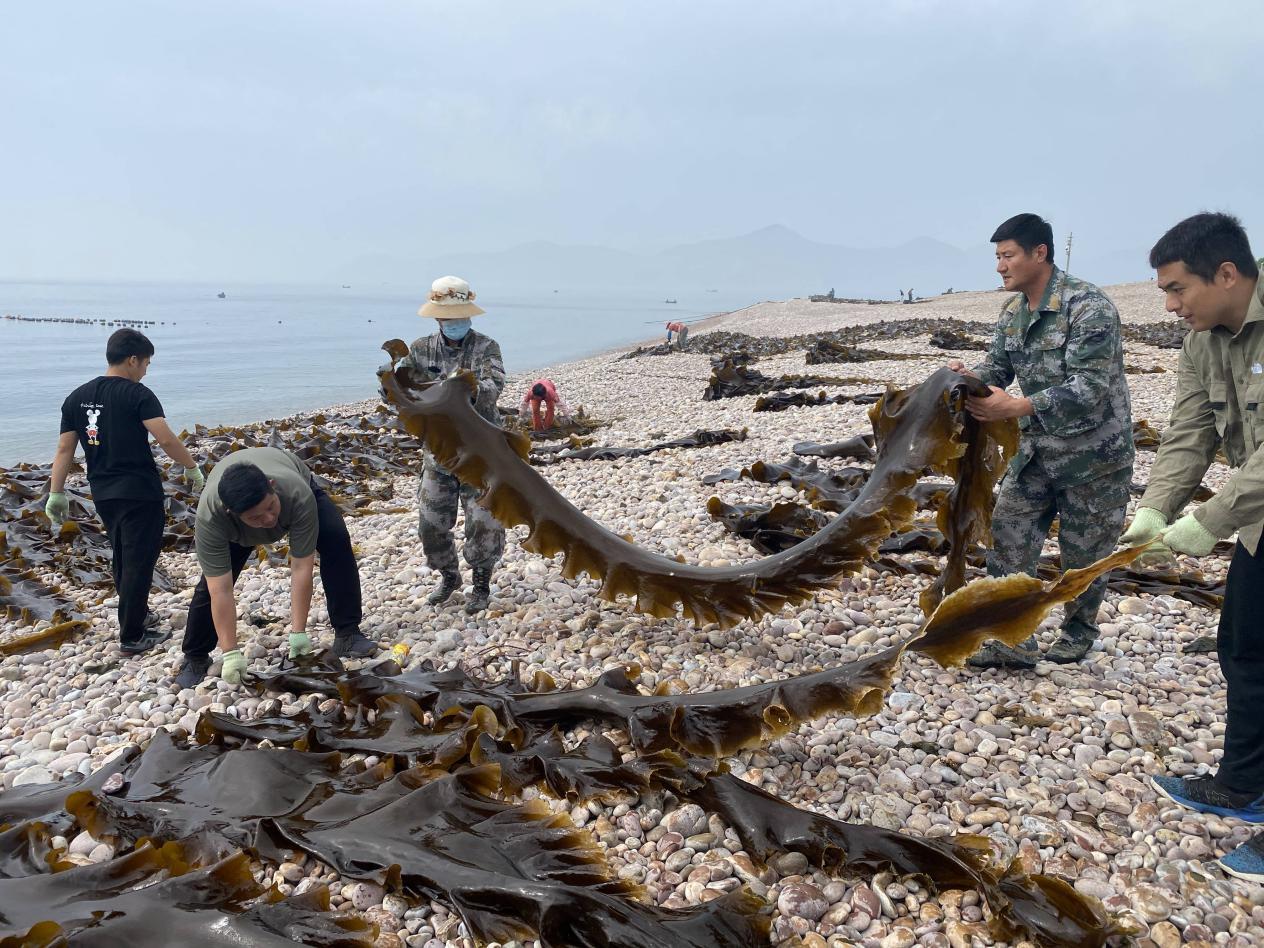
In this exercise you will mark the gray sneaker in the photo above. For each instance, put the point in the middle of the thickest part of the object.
(148, 639)
(194, 670)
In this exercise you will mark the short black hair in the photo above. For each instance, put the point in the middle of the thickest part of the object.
(1203, 242)
(1029, 231)
(538, 390)
(125, 343)
(243, 486)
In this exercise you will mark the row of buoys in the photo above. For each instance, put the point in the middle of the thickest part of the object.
(88, 320)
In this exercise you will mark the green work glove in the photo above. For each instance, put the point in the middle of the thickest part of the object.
(1189, 536)
(300, 644)
(195, 478)
(1146, 525)
(57, 509)
(234, 665)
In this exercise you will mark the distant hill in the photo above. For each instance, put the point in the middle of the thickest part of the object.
(772, 262)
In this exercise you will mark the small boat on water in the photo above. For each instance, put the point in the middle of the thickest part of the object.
(346, 286)
(669, 301)
(222, 295)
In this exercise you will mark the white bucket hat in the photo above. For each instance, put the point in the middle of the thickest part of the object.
(450, 298)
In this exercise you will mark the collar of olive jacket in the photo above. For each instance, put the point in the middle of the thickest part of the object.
(1050, 302)
(1254, 313)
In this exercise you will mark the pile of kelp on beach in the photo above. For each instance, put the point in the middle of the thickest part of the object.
(440, 816)
(946, 333)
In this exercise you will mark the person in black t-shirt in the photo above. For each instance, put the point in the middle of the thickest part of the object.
(112, 417)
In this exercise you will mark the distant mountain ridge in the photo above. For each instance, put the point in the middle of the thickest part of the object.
(772, 262)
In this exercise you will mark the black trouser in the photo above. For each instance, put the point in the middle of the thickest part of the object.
(338, 573)
(1240, 644)
(135, 531)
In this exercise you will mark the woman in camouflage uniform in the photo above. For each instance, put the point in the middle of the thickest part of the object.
(455, 347)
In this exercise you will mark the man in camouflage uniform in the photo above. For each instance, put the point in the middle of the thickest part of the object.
(1060, 338)
(455, 347)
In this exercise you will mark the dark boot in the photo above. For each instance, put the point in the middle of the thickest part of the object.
(999, 655)
(1072, 645)
(352, 644)
(448, 584)
(193, 670)
(482, 593)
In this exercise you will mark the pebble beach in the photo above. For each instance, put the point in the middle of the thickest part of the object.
(1051, 765)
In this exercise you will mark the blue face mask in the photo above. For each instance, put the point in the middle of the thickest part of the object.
(454, 329)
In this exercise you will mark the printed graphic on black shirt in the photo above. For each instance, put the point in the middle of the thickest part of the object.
(94, 412)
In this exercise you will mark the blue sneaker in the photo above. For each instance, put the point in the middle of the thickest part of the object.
(1206, 796)
(1247, 861)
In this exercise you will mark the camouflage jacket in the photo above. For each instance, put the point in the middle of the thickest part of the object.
(434, 359)
(1068, 359)
(1219, 406)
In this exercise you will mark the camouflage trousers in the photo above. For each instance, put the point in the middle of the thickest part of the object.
(1090, 517)
(437, 496)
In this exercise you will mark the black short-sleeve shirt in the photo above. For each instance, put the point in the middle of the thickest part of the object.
(108, 415)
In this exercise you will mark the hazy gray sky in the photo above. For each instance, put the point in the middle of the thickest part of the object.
(265, 140)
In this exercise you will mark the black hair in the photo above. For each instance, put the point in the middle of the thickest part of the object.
(1029, 231)
(125, 343)
(243, 486)
(1203, 242)
(538, 390)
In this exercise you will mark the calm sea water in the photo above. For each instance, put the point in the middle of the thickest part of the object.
(269, 351)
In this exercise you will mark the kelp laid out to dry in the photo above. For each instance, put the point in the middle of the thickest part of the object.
(1042, 908)
(824, 351)
(858, 447)
(27, 600)
(917, 430)
(1131, 369)
(780, 401)
(700, 438)
(722, 342)
(731, 378)
(950, 339)
(151, 897)
(512, 871)
(768, 529)
(1145, 436)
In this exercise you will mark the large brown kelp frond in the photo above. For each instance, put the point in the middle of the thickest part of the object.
(1041, 908)
(965, 515)
(512, 871)
(101, 905)
(1008, 608)
(917, 430)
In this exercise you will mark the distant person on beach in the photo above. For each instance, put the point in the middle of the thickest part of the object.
(1211, 281)
(454, 347)
(112, 417)
(681, 331)
(254, 497)
(545, 405)
(1061, 339)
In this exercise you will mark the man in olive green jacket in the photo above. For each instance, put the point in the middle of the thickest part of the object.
(1211, 280)
(1059, 337)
